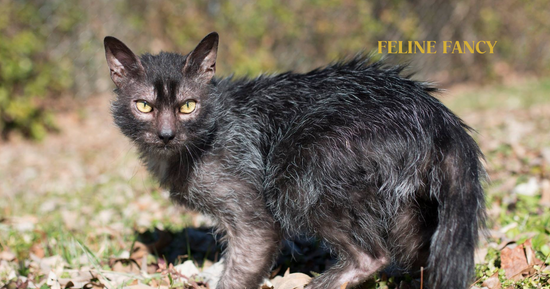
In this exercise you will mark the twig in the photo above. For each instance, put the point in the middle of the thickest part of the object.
(421, 277)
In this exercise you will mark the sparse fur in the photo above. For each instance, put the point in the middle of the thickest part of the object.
(354, 153)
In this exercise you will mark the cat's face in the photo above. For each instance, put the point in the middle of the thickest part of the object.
(163, 104)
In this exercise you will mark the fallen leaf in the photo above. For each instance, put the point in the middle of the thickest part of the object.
(54, 263)
(291, 281)
(480, 254)
(138, 251)
(213, 273)
(545, 191)
(37, 250)
(530, 254)
(125, 266)
(513, 262)
(492, 282)
(7, 255)
(138, 286)
(529, 188)
(187, 268)
(52, 281)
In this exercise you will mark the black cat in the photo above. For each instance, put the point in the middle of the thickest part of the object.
(354, 153)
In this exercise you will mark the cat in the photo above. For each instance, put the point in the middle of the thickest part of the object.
(354, 153)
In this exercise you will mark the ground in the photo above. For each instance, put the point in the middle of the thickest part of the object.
(78, 206)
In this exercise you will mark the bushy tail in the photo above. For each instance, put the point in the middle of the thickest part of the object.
(461, 214)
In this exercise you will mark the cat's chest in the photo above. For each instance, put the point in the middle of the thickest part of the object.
(211, 182)
(169, 171)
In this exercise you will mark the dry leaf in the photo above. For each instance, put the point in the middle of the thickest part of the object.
(54, 263)
(187, 268)
(52, 281)
(138, 286)
(530, 188)
(291, 281)
(530, 254)
(480, 254)
(545, 188)
(7, 255)
(492, 282)
(212, 274)
(513, 262)
(125, 265)
(37, 250)
(138, 251)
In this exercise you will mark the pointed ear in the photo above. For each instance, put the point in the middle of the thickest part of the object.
(123, 63)
(201, 62)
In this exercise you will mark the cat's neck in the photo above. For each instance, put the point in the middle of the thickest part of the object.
(170, 169)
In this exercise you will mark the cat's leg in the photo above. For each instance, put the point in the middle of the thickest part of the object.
(354, 237)
(249, 256)
(253, 239)
(251, 234)
(353, 267)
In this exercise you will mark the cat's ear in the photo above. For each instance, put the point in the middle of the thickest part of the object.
(123, 63)
(201, 62)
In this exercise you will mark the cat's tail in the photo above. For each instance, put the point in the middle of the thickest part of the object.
(458, 187)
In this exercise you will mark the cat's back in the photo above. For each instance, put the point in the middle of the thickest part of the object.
(352, 97)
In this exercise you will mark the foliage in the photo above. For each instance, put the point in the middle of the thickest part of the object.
(50, 48)
(30, 79)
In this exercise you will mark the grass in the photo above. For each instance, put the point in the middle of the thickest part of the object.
(98, 213)
(501, 97)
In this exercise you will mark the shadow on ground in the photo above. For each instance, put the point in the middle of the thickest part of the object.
(302, 254)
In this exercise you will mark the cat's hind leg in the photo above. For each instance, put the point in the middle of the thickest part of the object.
(354, 265)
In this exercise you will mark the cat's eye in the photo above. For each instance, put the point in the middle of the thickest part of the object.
(188, 106)
(143, 106)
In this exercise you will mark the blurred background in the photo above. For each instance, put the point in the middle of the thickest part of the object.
(52, 49)
(66, 173)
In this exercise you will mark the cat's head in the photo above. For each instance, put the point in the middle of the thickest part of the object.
(163, 102)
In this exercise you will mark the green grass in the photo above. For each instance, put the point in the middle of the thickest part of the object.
(500, 97)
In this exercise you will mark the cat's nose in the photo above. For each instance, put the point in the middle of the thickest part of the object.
(166, 135)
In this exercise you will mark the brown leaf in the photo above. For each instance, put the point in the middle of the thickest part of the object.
(545, 191)
(530, 254)
(518, 260)
(492, 282)
(513, 262)
(291, 281)
(7, 255)
(138, 251)
(125, 265)
(37, 250)
(138, 286)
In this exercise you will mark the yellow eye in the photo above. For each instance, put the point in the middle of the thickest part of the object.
(143, 106)
(188, 106)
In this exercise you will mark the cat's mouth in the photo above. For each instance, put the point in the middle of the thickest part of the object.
(162, 148)
(168, 148)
